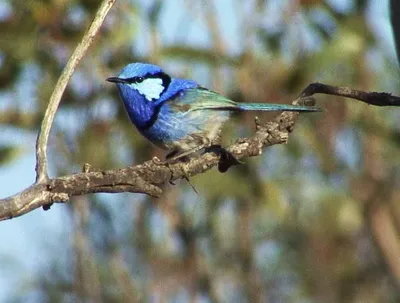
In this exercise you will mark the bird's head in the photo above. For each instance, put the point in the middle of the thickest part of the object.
(141, 81)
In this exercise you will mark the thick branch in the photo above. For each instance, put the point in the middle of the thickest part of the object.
(41, 143)
(145, 178)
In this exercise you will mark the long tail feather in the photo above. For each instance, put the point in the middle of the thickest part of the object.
(277, 107)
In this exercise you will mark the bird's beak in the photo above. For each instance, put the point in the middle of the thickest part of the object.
(116, 80)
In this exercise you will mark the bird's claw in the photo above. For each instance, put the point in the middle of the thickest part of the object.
(157, 161)
(307, 100)
(257, 122)
(226, 158)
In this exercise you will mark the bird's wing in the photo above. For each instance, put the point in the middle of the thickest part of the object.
(201, 98)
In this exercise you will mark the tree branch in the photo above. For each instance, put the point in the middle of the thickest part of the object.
(145, 178)
(373, 98)
(55, 98)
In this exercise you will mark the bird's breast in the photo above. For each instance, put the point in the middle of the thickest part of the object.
(184, 130)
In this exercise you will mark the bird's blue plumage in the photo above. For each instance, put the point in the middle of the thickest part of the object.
(178, 114)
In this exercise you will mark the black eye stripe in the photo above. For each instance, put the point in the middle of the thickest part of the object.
(135, 79)
(164, 77)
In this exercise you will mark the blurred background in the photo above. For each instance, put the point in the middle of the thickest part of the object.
(316, 220)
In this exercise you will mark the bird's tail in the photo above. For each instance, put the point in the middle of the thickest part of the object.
(277, 107)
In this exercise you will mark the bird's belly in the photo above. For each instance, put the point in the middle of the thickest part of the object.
(185, 131)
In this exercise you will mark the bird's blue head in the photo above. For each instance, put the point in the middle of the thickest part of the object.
(144, 87)
(141, 87)
(141, 81)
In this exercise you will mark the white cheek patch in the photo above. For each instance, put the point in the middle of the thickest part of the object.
(150, 88)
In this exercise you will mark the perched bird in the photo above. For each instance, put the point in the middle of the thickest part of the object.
(178, 114)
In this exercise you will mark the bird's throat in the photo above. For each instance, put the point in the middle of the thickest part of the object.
(142, 112)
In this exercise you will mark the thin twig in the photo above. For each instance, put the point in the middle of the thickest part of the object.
(41, 143)
(373, 98)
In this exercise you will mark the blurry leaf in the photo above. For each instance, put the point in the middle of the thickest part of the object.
(8, 154)
(208, 56)
(9, 70)
(361, 5)
(154, 12)
(272, 41)
(19, 119)
(350, 217)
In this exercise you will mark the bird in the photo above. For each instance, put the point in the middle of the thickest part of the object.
(179, 115)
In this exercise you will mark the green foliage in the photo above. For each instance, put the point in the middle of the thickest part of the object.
(8, 153)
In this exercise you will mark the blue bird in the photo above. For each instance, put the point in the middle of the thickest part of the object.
(178, 114)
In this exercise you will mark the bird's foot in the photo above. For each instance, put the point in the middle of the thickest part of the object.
(307, 100)
(226, 158)
(157, 161)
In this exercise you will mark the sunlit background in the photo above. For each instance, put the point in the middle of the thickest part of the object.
(316, 220)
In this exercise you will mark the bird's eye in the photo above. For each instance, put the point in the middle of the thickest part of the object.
(139, 79)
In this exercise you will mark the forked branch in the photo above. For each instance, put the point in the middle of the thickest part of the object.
(55, 98)
(147, 178)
